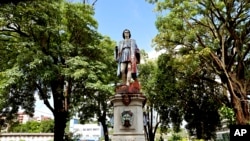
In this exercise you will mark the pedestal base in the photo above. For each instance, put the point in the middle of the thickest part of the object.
(128, 138)
(128, 117)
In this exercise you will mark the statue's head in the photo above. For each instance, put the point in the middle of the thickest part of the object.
(126, 33)
(127, 118)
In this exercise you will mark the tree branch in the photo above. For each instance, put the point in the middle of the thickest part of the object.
(200, 41)
(247, 51)
(44, 97)
(93, 4)
(16, 29)
(216, 29)
(246, 29)
(218, 15)
(156, 126)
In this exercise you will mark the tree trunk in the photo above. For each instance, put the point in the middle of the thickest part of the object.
(235, 79)
(105, 130)
(149, 128)
(102, 120)
(239, 100)
(146, 132)
(241, 109)
(102, 114)
(151, 137)
(60, 108)
(60, 119)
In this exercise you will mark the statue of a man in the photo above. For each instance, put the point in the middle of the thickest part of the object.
(127, 56)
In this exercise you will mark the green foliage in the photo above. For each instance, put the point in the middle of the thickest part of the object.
(45, 126)
(227, 114)
(175, 137)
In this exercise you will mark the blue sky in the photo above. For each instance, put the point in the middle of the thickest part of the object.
(113, 16)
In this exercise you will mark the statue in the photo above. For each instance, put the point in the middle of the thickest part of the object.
(127, 55)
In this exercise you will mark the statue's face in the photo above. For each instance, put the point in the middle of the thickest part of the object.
(126, 34)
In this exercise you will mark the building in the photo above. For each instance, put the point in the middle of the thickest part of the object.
(86, 132)
(41, 118)
(23, 118)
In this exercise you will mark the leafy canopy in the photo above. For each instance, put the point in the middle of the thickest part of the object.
(45, 43)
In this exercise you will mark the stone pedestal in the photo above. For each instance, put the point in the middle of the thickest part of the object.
(128, 117)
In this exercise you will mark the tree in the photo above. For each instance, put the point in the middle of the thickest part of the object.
(158, 83)
(218, 33)
(182, 97)
(147, 80)
(53, 48)
(202, 121)
(95, 103)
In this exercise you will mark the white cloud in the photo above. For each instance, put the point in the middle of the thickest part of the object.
(154, 54)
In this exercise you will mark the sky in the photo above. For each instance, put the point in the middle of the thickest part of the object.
(113, 16)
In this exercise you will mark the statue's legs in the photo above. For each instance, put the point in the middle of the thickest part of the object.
(129, 74)
(126, 73)
(123, 72)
